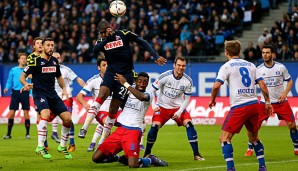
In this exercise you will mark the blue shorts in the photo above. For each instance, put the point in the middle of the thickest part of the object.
(17, 97)
(119, 91)
(54, 103)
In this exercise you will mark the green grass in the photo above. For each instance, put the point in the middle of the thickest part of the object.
(172, 146)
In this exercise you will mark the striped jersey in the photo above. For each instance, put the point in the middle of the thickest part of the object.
(274, 78)
(241, 76)
(172, 89)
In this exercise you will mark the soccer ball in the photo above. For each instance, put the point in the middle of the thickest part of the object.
(117, 8)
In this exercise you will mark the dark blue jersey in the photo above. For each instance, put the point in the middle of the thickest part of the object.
(117, 50)
(43, 73)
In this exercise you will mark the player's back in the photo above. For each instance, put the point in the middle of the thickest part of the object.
(241, 77)
(118, 51)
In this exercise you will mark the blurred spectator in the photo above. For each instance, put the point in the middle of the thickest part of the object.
(248, 49)
(285, 53)
(265, 35)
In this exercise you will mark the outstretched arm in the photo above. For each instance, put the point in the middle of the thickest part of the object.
(139, 95)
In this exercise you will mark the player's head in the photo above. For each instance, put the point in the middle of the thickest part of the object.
(179, 66)
(37, 45)
(232, 48)
(57, 55)
(104, 28)
(102, 65)
(22, 59)
(267, 51)
(48, 46)
(142, 81)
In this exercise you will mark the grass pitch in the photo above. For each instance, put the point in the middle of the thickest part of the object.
(171, 145)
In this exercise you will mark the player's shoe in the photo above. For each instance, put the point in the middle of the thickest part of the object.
(82, 133)
(142, 148)
(6, 137)
(262, 168)
(249, 152)
(296, 152)
(233, 169)
(91, 147)
(43, 152)
(71, 148)
(64, 151)
(123, 160)
(155, 161)
(55, 137)
(198, 157)
(28, 137)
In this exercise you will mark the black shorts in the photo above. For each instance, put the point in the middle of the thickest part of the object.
(54, 103)
(17, 97)
(119, 91)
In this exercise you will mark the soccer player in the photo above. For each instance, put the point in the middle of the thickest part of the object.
(117, 51)
(17, 97)
(172, 100)
(68, 76)
(93, 86)
(241, 76)
(127, 135)
(274, 75)
(44, 70)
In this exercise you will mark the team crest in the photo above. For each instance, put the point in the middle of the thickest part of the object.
(118, 37)
(54, 63)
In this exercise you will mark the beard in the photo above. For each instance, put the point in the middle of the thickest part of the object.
(49, 53)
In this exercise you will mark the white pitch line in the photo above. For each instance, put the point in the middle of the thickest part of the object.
(246, 164)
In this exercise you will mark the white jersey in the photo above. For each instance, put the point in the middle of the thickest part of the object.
(93, 86)
(68, 76)
(134, 111)
(241, 76)
(172, 90)
(274, 78)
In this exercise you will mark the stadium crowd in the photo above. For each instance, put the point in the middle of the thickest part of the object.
(173, 28)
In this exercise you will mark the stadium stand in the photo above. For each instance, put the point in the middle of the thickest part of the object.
(173, 28)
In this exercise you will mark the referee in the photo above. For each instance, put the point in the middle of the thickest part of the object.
(17, 97)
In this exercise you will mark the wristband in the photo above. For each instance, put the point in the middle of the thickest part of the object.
(126, 85)
(267, 103)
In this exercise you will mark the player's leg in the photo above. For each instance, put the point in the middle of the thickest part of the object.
(55, 135)
(42, 131)
(143, 135)
(9, 124)
(66, 124)
(151, 137)
(227, 149)
(294, 135)
(69, 103)
(111, 118)
(24, 97)
(249, 152)
(191, 135)
(96, 135)
(104, 92)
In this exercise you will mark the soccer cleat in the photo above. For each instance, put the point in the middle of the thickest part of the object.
(82, 133)
(199, 157)
(155, 161)
(71, 148)
(55, 137)
(296, 152)
(64, 151)
(232, 169)
(142, 148)
(91, 147)
(43, 152)
(249, 152)
(27, 136)
(262, 168)
(6, 137)
(123, 160)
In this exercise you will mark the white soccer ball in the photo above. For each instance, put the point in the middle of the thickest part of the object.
(117, 8)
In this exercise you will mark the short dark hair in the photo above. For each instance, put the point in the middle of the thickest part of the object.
(35, 39)
(269, 47)
(143, 74)
(181, 58)
(103, 25)
(99, 60)
(22, 54)
(47, 39)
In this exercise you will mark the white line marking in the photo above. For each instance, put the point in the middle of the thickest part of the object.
(246, 164)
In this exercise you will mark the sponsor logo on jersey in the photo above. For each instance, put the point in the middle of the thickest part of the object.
(113, 45)
(51, 69)
(42, 63)
(118, 37)
(26, 68)
(54, 63)
(42, 100)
